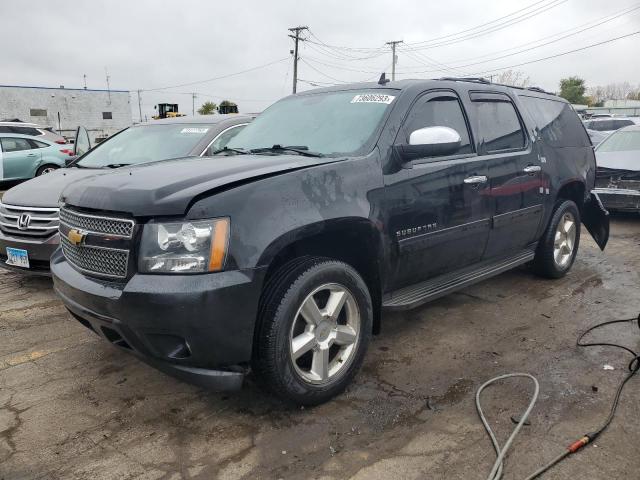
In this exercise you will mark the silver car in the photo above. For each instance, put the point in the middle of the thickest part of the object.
(29, 211)
(32, 130)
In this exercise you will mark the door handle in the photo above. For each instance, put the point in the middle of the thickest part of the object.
(475, 179)
(532, 168)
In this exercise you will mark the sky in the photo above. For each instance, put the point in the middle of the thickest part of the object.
(151, 44)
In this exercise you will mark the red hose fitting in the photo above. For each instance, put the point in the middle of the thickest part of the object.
(575, 446)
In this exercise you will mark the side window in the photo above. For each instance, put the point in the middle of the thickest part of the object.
(25, 131)
(499, 127)
(617, 124)
(557, 122)
(443, 111)
(37, 144)
(222, 139)
(15, 144)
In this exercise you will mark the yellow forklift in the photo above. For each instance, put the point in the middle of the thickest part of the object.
(167, 110)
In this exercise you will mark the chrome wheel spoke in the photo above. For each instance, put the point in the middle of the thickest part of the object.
(320, 364)
(302, 344)
(558, 239)
(310, 311)
(324, 335)
(567, 225)
(335, 303)
(345, 335)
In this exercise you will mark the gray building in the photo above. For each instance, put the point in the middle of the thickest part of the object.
(102, 112)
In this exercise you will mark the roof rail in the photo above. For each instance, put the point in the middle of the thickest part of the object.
(538, 89)
(466, 79)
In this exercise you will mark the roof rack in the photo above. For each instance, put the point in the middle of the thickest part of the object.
(466, 79)
(538, 89)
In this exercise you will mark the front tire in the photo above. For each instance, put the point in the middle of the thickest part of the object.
(314, 328)
(558, 246)
(43, 170)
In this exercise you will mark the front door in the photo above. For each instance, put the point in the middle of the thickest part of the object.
(20, 158)
(514, 172)
(438, 219)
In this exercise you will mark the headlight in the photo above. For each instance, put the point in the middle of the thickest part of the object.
(185, 247)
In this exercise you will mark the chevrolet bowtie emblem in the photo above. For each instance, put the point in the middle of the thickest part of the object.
(76, 237)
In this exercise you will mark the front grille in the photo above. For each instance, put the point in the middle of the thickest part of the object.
(104, 246)
(28, 222)
(120, 227)
(107, 262)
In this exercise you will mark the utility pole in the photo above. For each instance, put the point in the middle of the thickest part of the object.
(296, 38)
(85, 80)
(394, 58)
(139, 105)
(193, 103)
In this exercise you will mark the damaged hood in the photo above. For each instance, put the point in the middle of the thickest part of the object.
(627, 160)
(168, 187)
(45, 190)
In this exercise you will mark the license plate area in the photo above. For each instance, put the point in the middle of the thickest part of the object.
(17, 257)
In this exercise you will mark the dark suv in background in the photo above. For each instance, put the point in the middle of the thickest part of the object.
(280, 253)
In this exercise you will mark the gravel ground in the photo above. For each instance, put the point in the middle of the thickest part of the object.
(74, 407)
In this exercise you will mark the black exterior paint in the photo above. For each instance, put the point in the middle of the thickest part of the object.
(412, 221)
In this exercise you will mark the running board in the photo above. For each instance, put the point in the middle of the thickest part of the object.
(420, 293)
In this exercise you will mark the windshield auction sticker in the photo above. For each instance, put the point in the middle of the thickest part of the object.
(373, 98)
(194, 130)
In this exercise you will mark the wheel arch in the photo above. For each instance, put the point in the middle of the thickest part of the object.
(353, 240)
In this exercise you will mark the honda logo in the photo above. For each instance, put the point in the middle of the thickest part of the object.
(24, 221)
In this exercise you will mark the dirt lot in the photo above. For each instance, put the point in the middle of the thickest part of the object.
(74, 407)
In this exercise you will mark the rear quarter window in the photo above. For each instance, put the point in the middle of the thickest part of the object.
(558, 124)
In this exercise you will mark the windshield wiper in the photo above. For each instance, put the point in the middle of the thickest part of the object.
(299, 149)
(239, 151)
(116, 165)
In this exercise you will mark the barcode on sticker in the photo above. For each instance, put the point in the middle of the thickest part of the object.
(373, 98)
(194, 130)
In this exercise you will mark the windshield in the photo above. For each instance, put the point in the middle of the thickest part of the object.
(332, 123)
(145, 143)
(621, 141)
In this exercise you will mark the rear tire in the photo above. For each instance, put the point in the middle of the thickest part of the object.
(44, 169)
(315, 324)
(558, 246)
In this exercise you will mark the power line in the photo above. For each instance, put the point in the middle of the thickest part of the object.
(485, 28)
(559, 54)
(320, 72)
(603, 21)
(219, 77)
(606, 18)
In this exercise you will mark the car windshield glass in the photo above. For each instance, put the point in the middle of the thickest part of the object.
(145, 143)
(331, 123)
(621, 141)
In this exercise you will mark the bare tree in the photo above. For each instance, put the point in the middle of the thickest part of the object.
(515, 78)
(612, 91)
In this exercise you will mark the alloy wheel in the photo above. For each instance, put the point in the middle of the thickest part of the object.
(325, 334)
(565, 240)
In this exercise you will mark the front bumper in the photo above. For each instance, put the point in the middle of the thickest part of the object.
(39, 250)
(619, 199)
(198, 328)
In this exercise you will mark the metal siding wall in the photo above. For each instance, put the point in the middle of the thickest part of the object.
(76, 107)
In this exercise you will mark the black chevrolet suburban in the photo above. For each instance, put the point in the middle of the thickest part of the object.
(278, 254)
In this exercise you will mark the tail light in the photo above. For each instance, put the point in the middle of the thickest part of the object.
(67, 151)
(61, 142)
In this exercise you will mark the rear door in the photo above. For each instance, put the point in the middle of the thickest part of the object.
(514, 171)
(437, 215)
(19, 158)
